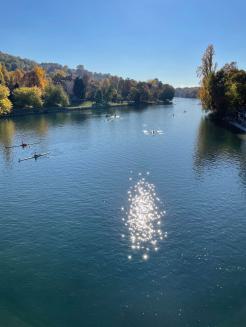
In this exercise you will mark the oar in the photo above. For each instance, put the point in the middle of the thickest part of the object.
(14, 146)
(28, 158)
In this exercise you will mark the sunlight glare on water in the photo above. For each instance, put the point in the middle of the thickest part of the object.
(144, 218)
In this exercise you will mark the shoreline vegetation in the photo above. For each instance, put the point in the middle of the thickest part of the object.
(223, 91)
(87, 105)
(28, 87)
(187, 92)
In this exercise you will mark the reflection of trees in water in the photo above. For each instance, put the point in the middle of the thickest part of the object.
(29, 126)
(215, 143)
(7, 132)
(34, 125)
(243, 161)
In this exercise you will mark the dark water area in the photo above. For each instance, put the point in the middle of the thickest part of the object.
(119, 227)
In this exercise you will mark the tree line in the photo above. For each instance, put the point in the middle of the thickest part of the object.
(223, 91)
(187, 92)
(53, 85)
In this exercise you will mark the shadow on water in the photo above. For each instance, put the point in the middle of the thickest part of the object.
(216, 143)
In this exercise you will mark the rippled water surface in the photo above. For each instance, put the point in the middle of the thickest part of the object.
(119, 226)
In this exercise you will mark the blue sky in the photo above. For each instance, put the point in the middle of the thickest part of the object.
(140, 39)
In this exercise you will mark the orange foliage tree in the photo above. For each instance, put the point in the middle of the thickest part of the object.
(35, 77)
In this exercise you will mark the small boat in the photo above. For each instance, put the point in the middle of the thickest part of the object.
(35, 156)
(112, 117)
(23, 145)
(153, 132)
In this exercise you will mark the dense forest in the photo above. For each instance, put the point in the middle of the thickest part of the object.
(187, 92)
(25, 84)
(223, 91)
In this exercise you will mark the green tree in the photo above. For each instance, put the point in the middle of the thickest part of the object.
(134, 95)
(109, 94)
(54, 95)
(167, 93)
(5, 103)
(79, 88)
(222, 91)
(27, 97)
(236, 90)
(99, 96)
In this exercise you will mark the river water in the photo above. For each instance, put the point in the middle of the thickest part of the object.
(119, 227)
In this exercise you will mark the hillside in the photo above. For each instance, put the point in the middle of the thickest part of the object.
(186, 92)
(27, 84)
(14, 62)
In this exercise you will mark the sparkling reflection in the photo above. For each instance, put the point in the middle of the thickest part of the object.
(143, 219)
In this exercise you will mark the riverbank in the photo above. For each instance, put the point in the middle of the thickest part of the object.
(230, 122)
(240, 126)
(79, 107)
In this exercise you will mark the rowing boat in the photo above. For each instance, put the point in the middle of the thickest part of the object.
(23, 145)
(35, 156)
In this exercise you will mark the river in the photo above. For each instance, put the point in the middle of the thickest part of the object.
(119, 227)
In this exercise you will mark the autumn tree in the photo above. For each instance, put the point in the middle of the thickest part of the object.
(127, 86)
(93, 86)
(222, 91)
(35, 77)
(27, 97)
(206, 71)
(15, 79)
(4, 75)
(59, 76)
(5, 103)
(134, 95)
(2, 80)
(207, 66)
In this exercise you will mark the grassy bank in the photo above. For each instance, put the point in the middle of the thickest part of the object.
(74, 107)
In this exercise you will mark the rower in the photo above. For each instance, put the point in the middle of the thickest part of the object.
(23, 145)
